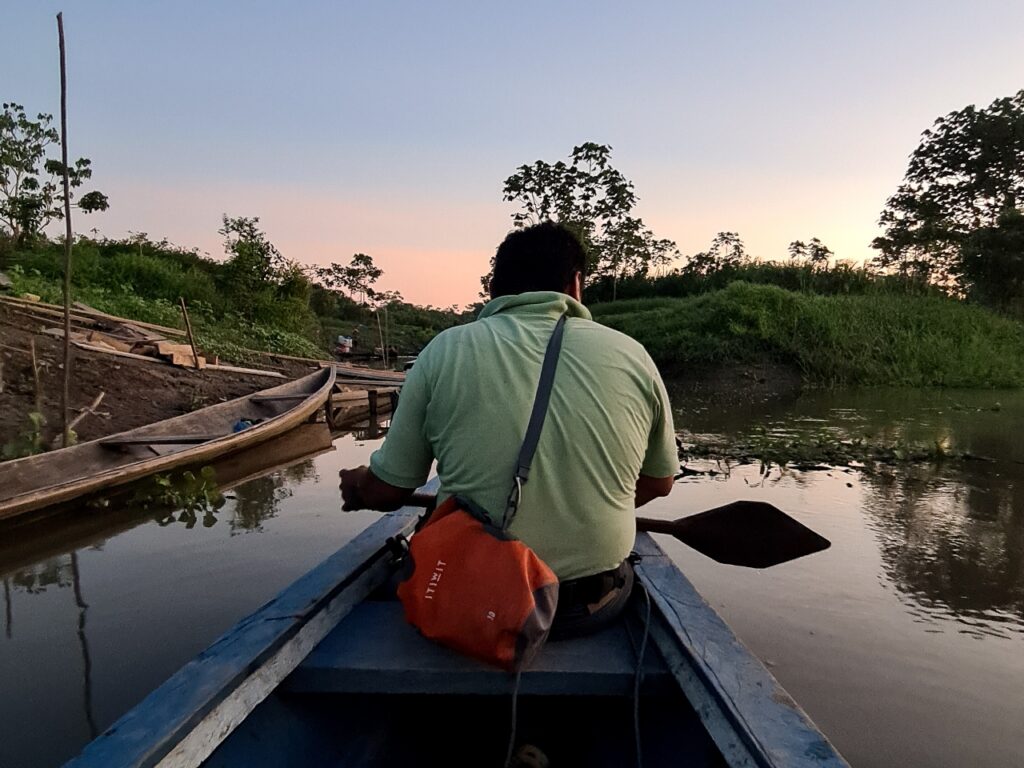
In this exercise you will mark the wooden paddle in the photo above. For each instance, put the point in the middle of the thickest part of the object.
(753, 534)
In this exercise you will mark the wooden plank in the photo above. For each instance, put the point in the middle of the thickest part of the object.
(107, 351)
(248, 371)
(184, 720)
(357, 397)
(95, 314)
(209, 366)
(753, 721)
(375, 650)
(370, 383)
(179, 354)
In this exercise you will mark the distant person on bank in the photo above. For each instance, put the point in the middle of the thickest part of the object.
(608, 444)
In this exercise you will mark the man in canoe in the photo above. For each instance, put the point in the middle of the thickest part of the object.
(607, 445)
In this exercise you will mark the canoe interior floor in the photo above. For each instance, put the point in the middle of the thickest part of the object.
(375, 693)
(432, 730)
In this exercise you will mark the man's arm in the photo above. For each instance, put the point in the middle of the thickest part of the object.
(661, 461)
(650, 488)
(361, 489)
(403, 462)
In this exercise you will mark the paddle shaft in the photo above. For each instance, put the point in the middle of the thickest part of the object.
(428, 500)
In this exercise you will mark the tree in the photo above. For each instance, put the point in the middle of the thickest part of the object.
(254, 260)
(966, 173)
(356, 277)
(596, 201)
(726, 252)
(815, 252)
(991, 264)
(257, 276)
(31, 192)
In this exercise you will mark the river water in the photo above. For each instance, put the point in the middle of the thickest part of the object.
(904, 641)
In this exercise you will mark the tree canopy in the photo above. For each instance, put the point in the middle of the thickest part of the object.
(31, 195)
(356, 277)
(813, 252)
(595, 200)
(966, 175)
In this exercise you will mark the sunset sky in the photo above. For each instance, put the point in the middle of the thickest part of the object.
(388, 128)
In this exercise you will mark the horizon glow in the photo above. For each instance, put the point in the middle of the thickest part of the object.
(389, 128)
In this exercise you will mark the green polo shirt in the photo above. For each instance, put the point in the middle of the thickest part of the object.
(466, 403)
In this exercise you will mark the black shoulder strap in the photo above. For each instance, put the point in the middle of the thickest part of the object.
(536, 425)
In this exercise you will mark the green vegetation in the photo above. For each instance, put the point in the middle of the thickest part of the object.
(870, 339)
(28, 442)
(958, 216)
(30, 195)
(185, 493)
(817, 451)
(254, 300)
(594, 200)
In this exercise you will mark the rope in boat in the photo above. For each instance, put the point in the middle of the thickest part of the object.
(512, 735)
(640, 674)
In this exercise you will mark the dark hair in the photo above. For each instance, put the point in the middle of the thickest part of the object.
(544, 257)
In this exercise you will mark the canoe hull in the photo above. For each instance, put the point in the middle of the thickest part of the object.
(91, 467)
(328, 673)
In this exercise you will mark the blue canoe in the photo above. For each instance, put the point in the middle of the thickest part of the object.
(329, 674)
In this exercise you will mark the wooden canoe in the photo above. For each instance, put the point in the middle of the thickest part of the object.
(360, 373)
(329, 673)
(37, 482)
(43, 536)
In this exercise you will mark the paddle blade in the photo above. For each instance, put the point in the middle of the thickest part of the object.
(753, 534)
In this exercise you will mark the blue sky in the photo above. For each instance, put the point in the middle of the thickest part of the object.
(388, 128)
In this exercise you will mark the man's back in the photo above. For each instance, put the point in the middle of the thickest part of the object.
(467, 401)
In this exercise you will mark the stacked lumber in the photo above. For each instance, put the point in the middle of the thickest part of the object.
(133, 342)
(97, 331)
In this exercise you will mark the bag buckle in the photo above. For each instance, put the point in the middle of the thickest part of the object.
(397, 547)
(512, 505)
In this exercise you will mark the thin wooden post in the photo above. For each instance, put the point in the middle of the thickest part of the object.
(188, 328)
(36, 382)
(65, 393)
(372, 394)
(380, 334)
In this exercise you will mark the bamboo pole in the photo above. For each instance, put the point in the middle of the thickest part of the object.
(64, 404)
(188, 328)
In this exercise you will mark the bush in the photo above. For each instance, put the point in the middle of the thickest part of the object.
(869, 339)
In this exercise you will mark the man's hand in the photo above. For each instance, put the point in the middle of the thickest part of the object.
(351, 480)
(361, 489)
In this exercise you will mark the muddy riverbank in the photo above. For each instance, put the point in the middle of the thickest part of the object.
(139, 392)
(136, 392)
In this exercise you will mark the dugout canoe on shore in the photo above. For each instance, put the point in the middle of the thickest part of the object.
(329, 674)
(36, 482)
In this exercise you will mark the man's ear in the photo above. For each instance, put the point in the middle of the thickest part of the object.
(575, 288)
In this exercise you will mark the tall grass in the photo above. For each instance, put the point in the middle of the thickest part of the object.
(838, 279)
(874, 339)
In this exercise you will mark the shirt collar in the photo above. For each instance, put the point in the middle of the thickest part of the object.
(549, 303)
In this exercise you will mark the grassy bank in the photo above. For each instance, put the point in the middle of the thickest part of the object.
(877, 339)
(229, 336)
(235, 304)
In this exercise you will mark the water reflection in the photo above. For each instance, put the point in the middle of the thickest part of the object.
(260, 499)
(950, 535)
(90, 718)
(952, 543)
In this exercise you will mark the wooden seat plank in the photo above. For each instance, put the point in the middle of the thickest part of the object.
(375, 651)
(159, 440)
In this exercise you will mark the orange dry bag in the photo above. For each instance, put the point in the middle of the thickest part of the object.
(473, 586)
